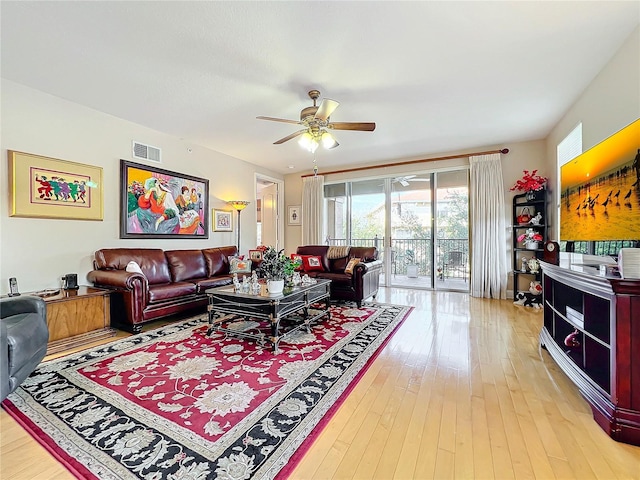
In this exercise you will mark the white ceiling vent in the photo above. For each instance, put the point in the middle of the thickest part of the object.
(146, 152)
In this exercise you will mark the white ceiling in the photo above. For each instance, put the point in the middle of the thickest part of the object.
(435, 76)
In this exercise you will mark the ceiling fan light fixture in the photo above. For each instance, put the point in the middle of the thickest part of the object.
(328, 141)
(308, 142)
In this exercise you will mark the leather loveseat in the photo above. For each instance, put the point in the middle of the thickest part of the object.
(171, 282)
(23, 339)
(357, 286)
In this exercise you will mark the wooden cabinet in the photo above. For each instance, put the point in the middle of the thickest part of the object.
(77, 317)
(592, 331)
(533, 203)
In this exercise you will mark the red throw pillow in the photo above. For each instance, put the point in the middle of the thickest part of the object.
(312, 263)
(296, 257)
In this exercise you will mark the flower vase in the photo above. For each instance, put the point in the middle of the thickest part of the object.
(531, 245)
(530, 196)
(275, 287)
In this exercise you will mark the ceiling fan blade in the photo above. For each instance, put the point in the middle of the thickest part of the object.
(326, 108)
(362, 126)
(289, 137)
(279, 120)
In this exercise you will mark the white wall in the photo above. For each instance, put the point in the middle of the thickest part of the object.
(608, 104)
(39, 251)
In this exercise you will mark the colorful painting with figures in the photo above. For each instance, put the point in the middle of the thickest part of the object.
(162, 204)
(51, 188)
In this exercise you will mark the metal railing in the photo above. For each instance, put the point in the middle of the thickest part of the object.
(452, 258)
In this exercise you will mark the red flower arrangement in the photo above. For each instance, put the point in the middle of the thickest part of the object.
(530, 236)
(530, 182)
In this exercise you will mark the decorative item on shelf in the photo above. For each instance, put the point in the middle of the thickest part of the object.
(524, 217)
(530, 238)
(532, 298)
(534, 266)
(276, 267)
(523, 268)
(551, 253)
(536, 220)
(530, 183)
(571, 340)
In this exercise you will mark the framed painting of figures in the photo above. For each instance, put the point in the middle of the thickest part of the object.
(157, 203)
(44, 187)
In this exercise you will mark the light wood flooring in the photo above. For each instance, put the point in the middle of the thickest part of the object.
(462, 391)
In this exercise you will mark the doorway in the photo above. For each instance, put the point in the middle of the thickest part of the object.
(269, 229)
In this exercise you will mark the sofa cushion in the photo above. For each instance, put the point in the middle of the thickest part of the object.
(366, 254)
(152, 261)
(217, 259)
(319, 250)
(167, 291)
(312, 263)
(203, 284)
(351, 265)
(338, 280)
(186, 264)
(238, 265)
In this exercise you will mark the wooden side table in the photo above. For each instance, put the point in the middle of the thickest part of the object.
(78, 317)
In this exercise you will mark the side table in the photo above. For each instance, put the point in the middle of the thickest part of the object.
(78, 317)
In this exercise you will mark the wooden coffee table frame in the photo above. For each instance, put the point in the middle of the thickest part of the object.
(292, 305)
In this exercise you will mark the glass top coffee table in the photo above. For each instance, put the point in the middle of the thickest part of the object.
(292, 308)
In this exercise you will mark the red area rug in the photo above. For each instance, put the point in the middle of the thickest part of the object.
(175, 403)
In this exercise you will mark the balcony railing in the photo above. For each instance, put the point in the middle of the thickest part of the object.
(452, 257)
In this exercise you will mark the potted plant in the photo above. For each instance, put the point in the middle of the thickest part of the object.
(530, 183)
(412, 267)
(276, 267)
(530, 238)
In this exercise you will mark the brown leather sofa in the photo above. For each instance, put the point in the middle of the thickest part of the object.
(172, 281)
(357, 286)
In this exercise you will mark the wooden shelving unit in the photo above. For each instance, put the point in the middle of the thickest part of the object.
(602, 315)
(536, 203)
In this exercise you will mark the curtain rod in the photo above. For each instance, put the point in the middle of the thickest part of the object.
(504, 151)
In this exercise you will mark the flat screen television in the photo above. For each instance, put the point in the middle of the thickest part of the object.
(600, 191)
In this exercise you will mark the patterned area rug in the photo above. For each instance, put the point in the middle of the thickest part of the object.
(175, 403)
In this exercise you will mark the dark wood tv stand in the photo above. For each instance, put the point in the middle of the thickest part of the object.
(604, 361)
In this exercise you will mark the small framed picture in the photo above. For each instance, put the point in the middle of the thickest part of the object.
(222, 220)
(295, 215)
(255, 255)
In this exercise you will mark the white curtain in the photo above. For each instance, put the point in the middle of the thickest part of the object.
(488, 227)
(312, 203)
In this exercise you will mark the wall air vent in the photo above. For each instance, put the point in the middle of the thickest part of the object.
(146, 152)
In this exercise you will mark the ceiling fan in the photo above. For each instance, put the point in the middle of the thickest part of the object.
(404, 181)
(316, 122)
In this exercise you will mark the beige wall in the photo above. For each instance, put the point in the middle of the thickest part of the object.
(39, 251)
(608, 104)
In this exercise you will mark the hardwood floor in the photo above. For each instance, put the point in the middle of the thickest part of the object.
(462, 390)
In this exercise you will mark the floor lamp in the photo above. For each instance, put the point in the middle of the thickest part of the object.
(239, 205)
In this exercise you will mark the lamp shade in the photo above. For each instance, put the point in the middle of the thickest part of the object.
(238, 204)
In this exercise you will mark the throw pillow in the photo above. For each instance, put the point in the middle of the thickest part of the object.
(239, 265)
(133, 267)
(312, 263)
(351, 265)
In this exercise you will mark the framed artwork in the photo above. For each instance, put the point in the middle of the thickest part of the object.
(255, 255)
(222, 220)
(295, 215)
(44, 187)
(157, 203)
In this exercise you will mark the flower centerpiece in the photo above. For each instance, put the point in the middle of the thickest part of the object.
(530, 182)
(530, 238)
(276, 267)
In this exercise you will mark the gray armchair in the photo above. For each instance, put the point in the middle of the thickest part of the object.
(23, 339)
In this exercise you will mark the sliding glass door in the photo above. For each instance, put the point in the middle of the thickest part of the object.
(418, 222)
